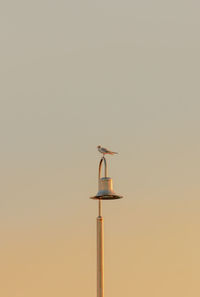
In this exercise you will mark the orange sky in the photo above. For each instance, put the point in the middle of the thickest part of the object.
(124, 75)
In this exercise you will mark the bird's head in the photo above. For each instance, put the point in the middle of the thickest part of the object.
(98, 146)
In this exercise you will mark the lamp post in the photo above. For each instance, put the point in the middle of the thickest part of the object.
(105, 192)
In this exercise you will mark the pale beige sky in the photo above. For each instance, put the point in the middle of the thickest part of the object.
(123, 74)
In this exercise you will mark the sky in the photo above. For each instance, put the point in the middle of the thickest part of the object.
(124, 75)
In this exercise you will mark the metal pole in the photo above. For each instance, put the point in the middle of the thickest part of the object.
(100, 254)
(105, 192)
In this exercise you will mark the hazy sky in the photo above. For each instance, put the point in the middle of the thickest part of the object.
(76, 74)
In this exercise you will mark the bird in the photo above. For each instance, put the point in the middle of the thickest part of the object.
(104, 151)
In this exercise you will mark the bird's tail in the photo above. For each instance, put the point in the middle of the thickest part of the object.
(113, 153)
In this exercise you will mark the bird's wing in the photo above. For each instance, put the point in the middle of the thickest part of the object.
(113, 153)
(104, 150)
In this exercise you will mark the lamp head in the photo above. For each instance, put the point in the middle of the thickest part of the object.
(105, 188)
(106, 191)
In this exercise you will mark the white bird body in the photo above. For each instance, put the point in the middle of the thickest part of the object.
(104, 151)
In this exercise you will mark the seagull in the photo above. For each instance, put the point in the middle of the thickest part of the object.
(104, 151)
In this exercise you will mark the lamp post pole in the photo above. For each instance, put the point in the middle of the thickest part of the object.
(100, 253)
(105, 193)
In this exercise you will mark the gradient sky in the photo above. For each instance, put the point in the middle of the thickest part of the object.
(76, 74)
